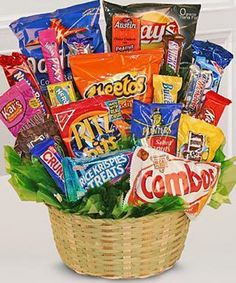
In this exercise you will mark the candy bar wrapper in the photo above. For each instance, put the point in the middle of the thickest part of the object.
(16, 69)
(61, 93)
(197, 139)
(173, 45)
(48, 42)
(27, 139)
(166, 88)
(157, 20)
(125, 33)
(84, 174)
(110, 73)
(82, 18)
(163, 174)
(47, 154)
(195, 93)
(17, 106)
(92, 126)
(158, 123)
(213, 107)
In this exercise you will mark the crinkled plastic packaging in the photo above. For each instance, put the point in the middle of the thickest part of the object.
(158, 20)
(92, 126)
(166, 88)
(47, 154)
(154, 173)
(16, 69)
(17, 106)
(197, 139)
(82, 18)
(126, 75)
(158, 123)
(84, 174)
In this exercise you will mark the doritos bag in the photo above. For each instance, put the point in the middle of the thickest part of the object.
(127, 76)
(78, 19)
(92, 126)
(156, 21)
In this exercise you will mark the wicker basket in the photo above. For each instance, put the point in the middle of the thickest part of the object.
(126, 248)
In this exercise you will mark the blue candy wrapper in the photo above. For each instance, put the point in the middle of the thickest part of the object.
(158, 123)
(47, 154)
(83, 174)
(82, 18)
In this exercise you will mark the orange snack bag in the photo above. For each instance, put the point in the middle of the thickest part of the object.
(127, 76)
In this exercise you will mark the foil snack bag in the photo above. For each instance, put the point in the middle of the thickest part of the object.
(67, 22)
(92, 126)
(158, 20)
(127, 76)
(154, 173)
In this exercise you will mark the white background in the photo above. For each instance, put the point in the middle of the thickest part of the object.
(27, 253)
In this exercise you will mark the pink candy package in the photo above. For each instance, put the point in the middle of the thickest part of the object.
(48, 42)
(17, 106)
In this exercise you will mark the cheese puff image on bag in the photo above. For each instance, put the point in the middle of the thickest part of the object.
(92, 126)
(160, 173)
(127, 76)
(197, 139)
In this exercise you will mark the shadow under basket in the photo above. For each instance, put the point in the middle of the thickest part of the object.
(125, 248)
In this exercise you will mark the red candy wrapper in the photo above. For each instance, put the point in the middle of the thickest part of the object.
(16, 69)
(213, 107)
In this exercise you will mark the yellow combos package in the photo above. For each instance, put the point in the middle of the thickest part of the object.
(91, 127)
(197, 139)
(166, 88)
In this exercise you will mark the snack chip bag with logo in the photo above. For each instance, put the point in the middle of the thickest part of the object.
(17, 106)
(82, 18)
(127, 76)
(92, 126)
(197, 139)
(156, 21)
(84, 174)
(154, 173)
(16, 69)
(158, 123)
(166, 88)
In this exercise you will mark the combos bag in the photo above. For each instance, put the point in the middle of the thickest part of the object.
(154, 173)
(91, 127)
(110, 73)
(79, 19)
(158, 20)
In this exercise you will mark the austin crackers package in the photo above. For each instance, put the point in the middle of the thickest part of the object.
(154, 173)
(67, 22)
(158, 20)
(127, 76)
(92, 126)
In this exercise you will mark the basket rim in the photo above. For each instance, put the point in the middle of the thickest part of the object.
(111, 220)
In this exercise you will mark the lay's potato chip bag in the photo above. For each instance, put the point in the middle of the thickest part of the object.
(166, 88)
(92, 126)
(127, 76)
(197, 139)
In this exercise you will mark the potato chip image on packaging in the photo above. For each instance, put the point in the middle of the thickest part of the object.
(197, 139)
(166, 88)
(126, 75)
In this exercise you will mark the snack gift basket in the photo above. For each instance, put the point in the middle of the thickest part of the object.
(122, 146)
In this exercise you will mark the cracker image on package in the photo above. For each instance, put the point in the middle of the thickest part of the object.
(92, 126)
(126, 75)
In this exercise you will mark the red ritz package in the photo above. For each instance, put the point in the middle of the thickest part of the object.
(91, 127)
(16, 69)
(213, 107)
(125, 33)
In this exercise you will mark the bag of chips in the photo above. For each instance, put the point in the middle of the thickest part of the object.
(92, 126)
(157, 20)
(124, 75)
(67, 22)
